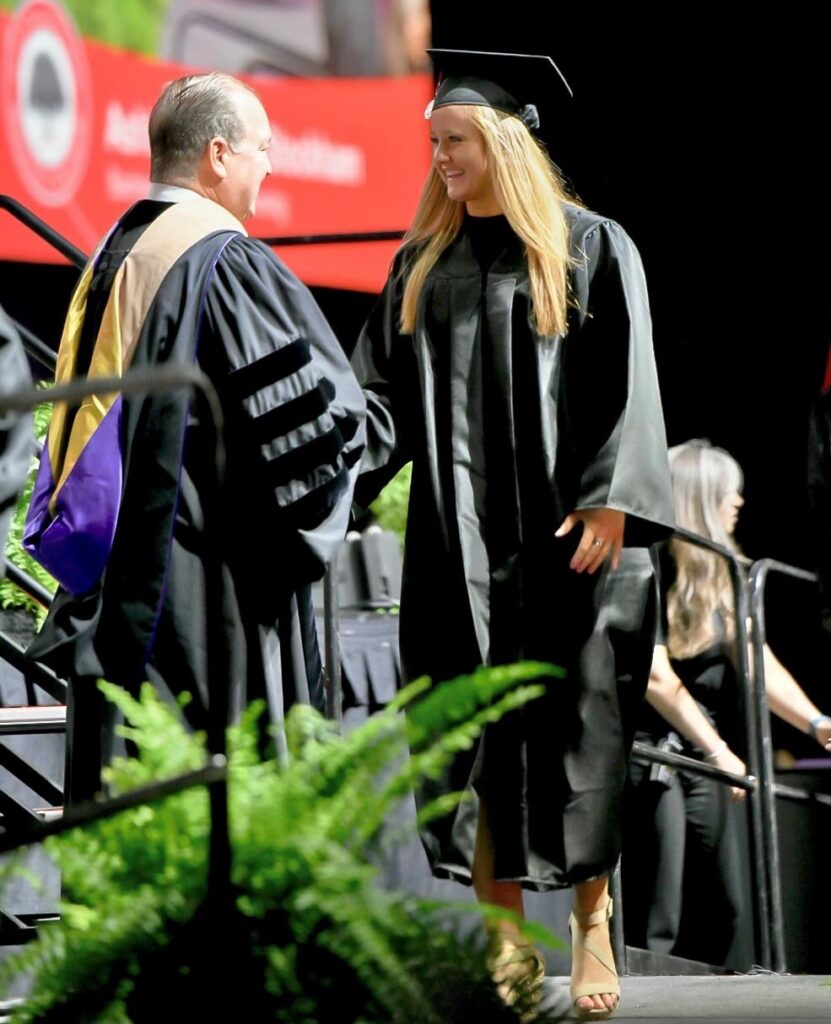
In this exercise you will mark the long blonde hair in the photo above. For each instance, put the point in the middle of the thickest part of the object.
(702, 477)
(531, 195)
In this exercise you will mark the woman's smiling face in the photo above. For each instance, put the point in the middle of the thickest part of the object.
(460, 157)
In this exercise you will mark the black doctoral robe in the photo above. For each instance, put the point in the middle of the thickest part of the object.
(293, 432)
(508, 432)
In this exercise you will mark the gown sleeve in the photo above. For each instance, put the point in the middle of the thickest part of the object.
(380, 361)
(613, 400)
(294, 409)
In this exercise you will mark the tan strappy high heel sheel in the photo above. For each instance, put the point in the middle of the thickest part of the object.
(582, 944)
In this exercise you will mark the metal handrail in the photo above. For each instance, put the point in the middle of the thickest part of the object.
(336, 238)
(16, 721)
(34, 347)
(216, 771)
(28, 584)
(645, 752)
(756, 582)
(41, 228)
(34, 671)
(801, 796)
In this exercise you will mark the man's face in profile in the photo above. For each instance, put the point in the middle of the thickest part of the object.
(246, 163)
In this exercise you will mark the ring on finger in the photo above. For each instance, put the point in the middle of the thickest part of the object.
(597, 543)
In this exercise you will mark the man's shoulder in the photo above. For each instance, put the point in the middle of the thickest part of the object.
(245, 256)
(244, 245)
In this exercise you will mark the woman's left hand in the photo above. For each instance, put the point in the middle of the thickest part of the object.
(602, 537)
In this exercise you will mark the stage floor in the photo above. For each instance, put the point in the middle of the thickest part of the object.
(748, 998)
(755, 997)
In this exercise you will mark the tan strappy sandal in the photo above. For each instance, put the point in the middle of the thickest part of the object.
(518, 971)
(583, 943)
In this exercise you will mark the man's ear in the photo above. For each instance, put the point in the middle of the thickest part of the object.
(216, 154)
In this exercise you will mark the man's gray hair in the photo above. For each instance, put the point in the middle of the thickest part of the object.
(189, 113)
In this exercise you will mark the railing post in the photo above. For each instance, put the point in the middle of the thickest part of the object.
(331, 628)
(755, 758)
(758, 578)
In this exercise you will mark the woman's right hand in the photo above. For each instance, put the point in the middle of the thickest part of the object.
(728, 762)
(602, 537)
(822, 732)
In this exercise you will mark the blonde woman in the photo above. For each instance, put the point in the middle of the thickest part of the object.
(681, 830)
(510, 359)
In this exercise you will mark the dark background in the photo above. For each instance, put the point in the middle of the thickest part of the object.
(701, 129)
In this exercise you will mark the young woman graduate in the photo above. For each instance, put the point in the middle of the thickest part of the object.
(510, 359)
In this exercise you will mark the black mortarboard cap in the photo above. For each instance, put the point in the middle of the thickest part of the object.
(512, 82)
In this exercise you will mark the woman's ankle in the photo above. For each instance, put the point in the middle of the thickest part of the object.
(591, 897)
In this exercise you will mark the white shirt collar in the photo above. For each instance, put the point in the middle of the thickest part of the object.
(163, 193)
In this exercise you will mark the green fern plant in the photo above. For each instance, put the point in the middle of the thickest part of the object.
(391, 505)
(311, 937)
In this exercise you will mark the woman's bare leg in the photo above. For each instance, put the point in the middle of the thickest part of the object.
(502, 894)
(515, 966)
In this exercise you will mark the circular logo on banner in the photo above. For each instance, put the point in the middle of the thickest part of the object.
(47, 101)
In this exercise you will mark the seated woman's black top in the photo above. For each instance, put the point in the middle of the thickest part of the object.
(710, 675)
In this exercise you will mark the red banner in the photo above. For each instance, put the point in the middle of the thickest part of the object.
(348, 155)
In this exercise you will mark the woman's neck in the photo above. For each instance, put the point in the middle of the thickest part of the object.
(488, 206)
(489, 236)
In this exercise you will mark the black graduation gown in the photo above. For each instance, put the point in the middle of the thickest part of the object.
(293, 432)
(559, 424)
